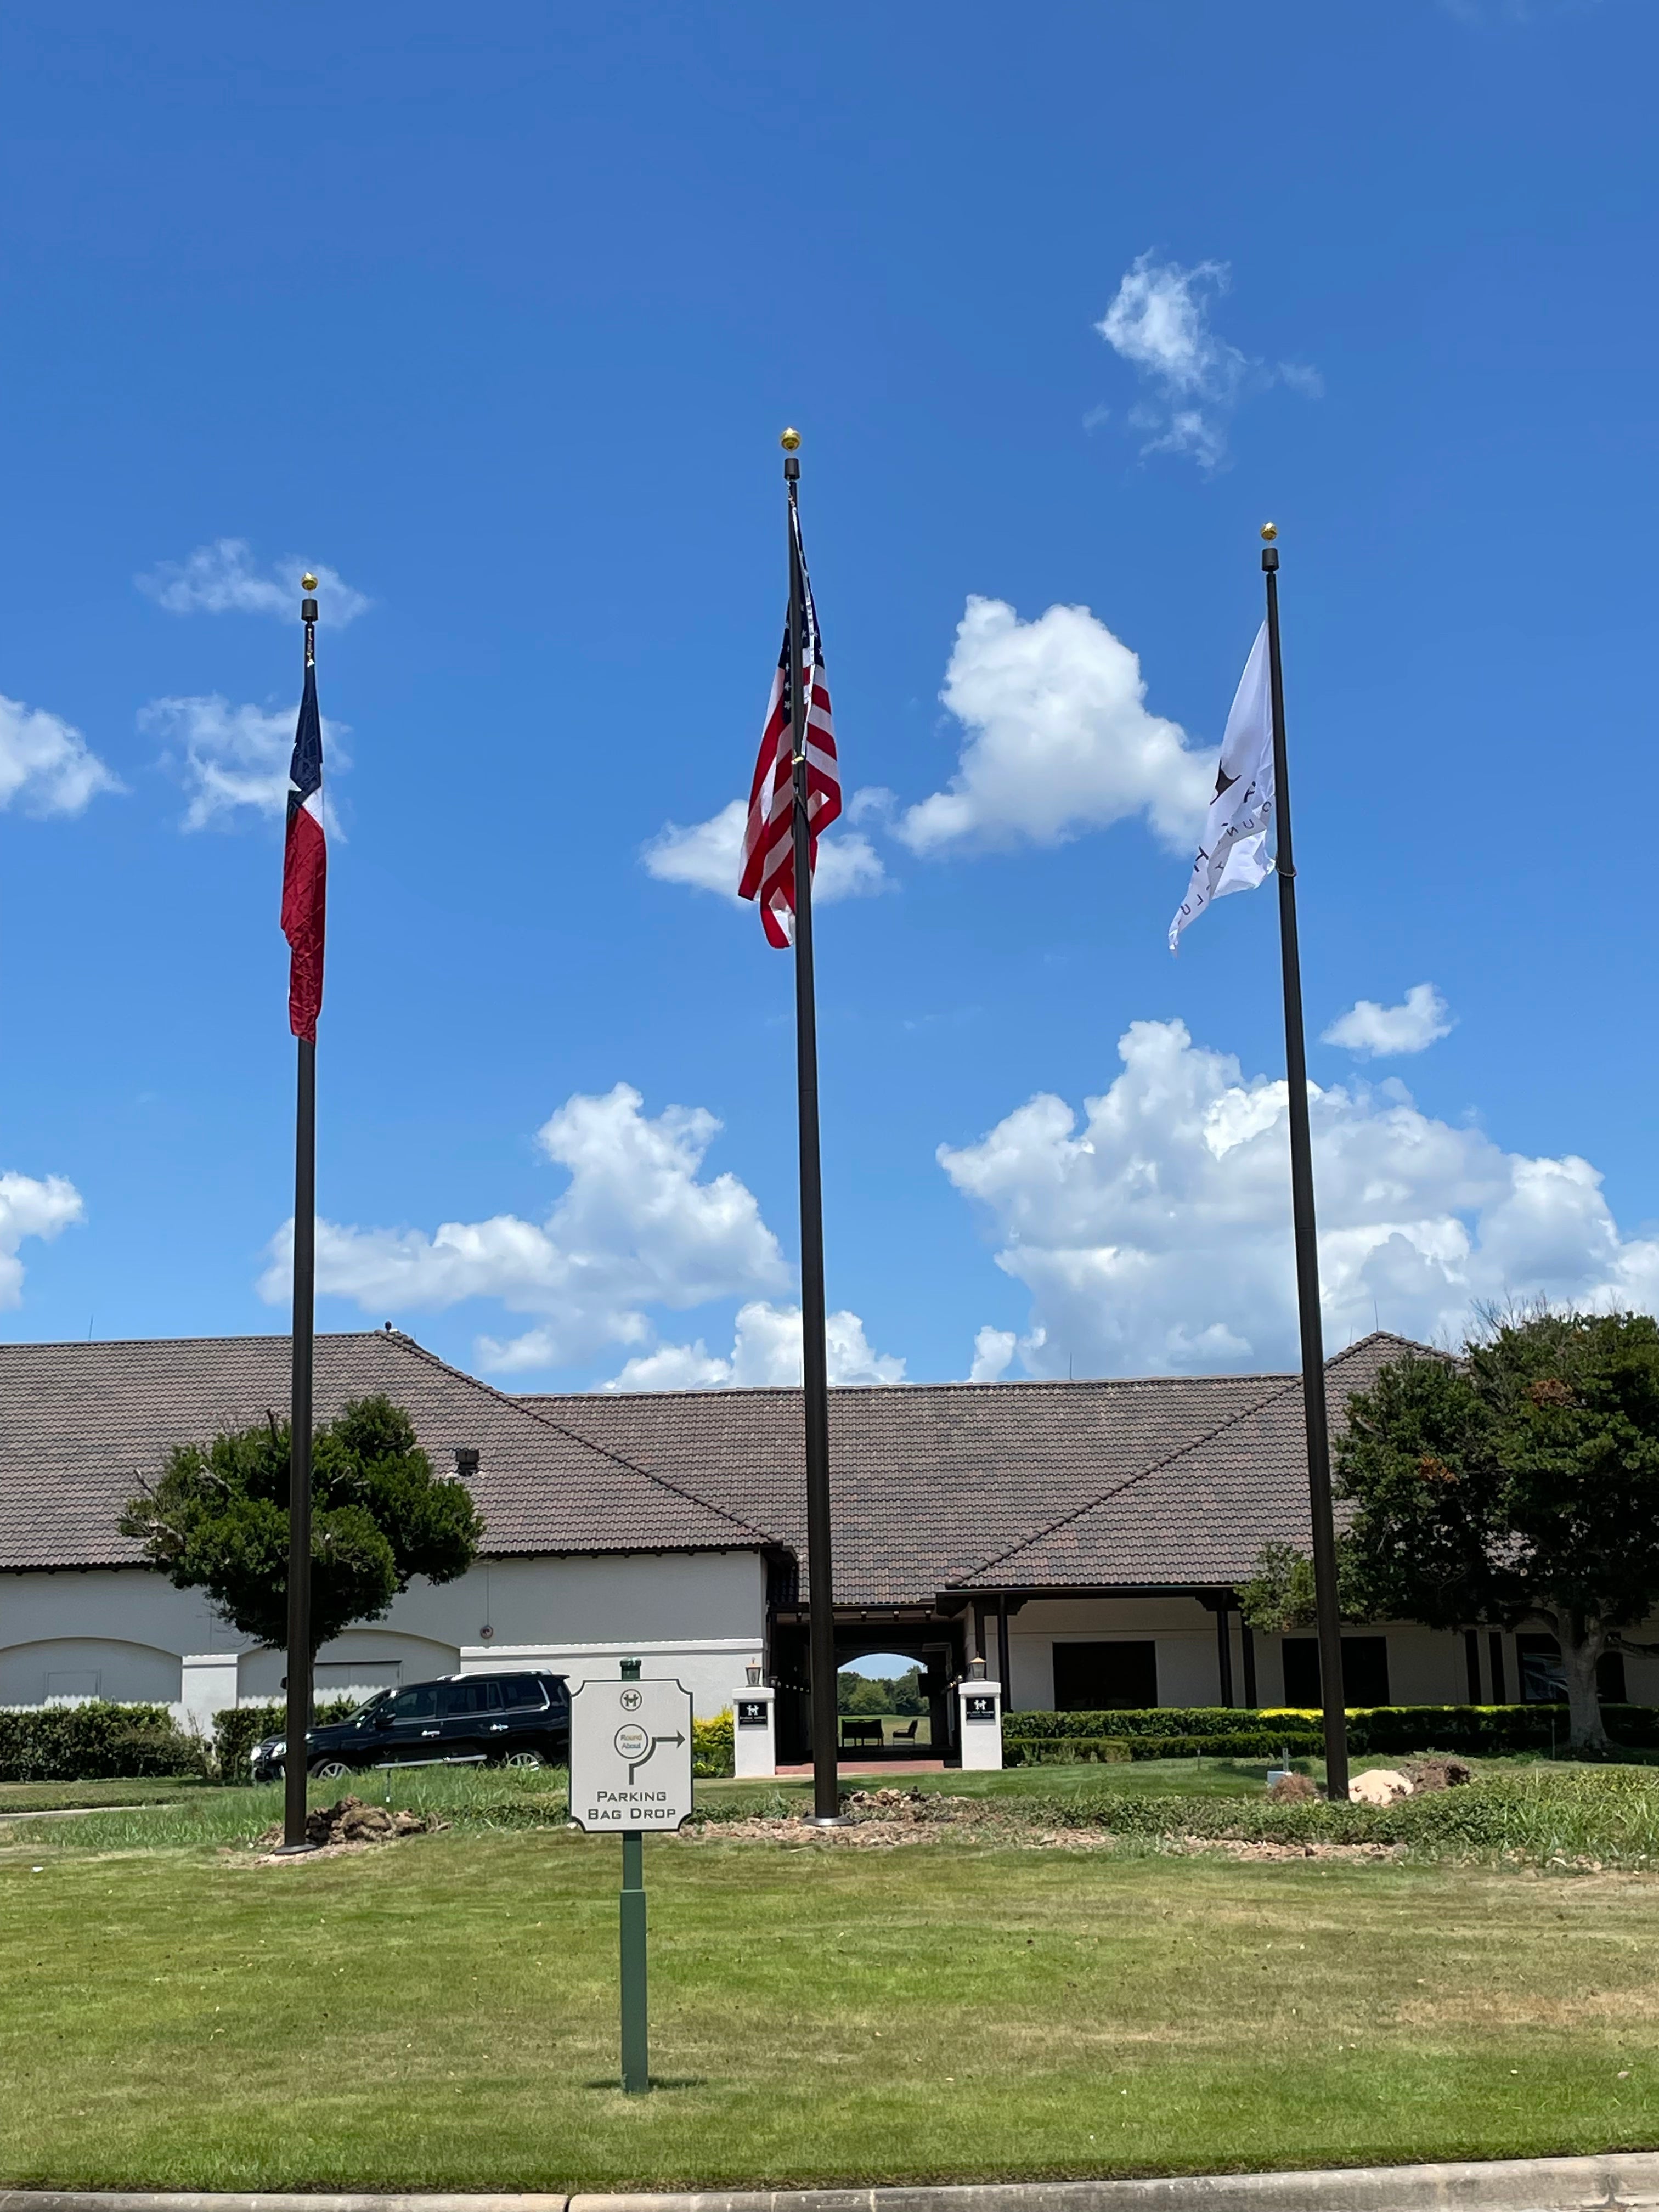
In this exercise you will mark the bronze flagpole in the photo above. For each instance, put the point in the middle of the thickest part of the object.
(815, 1384)
(294, 1775)
(1304, 1225)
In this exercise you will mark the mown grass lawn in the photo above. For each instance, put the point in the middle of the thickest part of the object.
(442, 2014)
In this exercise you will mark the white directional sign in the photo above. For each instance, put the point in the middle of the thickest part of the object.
(630, 1756)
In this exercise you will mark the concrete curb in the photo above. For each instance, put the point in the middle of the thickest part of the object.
(1608, 2184)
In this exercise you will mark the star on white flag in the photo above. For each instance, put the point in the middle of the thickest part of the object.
(1231, 857)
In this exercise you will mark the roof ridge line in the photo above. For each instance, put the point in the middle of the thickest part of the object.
(1128, 1482)
(600, 1451)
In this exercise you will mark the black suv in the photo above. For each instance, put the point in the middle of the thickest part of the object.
(511, 1720)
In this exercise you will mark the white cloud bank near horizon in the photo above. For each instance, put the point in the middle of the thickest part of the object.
(1159, 322)
(1156, 1236)
(221, 578)
(1371, 1031)
(636, 1228)
(32, 1206)
(46, 766)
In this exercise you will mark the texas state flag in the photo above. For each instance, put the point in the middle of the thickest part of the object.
(304, 867)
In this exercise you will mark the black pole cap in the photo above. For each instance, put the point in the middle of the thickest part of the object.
(1269, 558)
(791, 469)
(307, 610)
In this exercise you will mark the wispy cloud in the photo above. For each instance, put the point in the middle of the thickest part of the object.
(1159, 322)
(46, 766)
(229, 758)
(221, 579)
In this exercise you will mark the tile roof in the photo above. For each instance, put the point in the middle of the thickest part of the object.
(1006, 1485)
(936, 1488)
(79, 1423)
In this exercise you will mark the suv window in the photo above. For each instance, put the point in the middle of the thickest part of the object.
(418, 1703)
(519, 1691)
(481, 1695)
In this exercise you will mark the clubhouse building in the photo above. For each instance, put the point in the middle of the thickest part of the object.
(1086, 1540)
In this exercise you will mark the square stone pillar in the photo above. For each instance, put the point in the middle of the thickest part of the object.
(980, 1711)
(754, 1733)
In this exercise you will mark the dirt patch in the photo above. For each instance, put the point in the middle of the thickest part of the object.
(1438, 1773)
(349, 1824)
(1194, 1846)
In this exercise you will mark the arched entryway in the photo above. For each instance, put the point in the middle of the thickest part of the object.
(934, 1647)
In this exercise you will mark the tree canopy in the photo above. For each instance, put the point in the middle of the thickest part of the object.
(1518, 1482)
(217, 1520)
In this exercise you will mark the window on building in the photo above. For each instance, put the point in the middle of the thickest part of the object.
(1543, 1678)
(1364, 1670)
(1092, 1677)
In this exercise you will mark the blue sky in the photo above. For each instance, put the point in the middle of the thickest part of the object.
(500, 318)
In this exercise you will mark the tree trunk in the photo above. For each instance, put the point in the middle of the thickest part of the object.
(1581, 1647)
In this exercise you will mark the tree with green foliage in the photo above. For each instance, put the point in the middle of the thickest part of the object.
(1279, 1595)
(1519, 1482)
(217, 1520)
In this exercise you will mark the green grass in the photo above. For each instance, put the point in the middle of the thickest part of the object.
(442, 2014)
(43, 1796)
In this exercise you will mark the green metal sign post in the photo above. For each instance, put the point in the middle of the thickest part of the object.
(631, 1772)
(635, 2040)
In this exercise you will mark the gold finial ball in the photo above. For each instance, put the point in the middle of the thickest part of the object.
(307, 582)
(1270, 531)
(790, 441)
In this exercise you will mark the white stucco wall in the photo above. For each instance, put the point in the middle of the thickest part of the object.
(130, 1635)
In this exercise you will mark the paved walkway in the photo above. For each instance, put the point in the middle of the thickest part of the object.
(875, 1767)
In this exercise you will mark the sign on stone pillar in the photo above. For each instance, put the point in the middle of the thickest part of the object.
(981, 1714)
(754, 1731)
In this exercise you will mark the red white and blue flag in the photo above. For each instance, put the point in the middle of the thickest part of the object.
(305, 865)
(768, 852)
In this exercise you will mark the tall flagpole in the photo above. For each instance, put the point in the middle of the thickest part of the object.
(300, 1414)
(820, 1589)
(1307, 1242)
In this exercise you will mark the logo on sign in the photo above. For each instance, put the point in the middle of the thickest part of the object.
(630, 1701)
(982, 1709)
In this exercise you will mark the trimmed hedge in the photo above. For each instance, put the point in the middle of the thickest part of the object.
(94, 1741)
(237, 1729)
(713, 1752)
(1225, 1732)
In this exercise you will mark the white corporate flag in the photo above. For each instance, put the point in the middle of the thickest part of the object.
(1232, 857)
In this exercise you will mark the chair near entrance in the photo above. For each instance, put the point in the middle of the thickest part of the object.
(857, 1730)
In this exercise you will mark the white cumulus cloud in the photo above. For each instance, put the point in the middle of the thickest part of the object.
(1375, 1032)
(766, 1350)
(1159, 322)
(31, 1207)
(1156, 1235)
(636, 1227)
(1058, 739)
(47, 767)
(222, 579)
(231, 757)
(708, 855)
(993, 1349)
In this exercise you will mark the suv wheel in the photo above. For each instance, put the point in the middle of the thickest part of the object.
(330, 1770)
(524, 1759)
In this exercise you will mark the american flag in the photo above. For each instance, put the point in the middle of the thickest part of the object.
(769, 854)
(305, 864)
